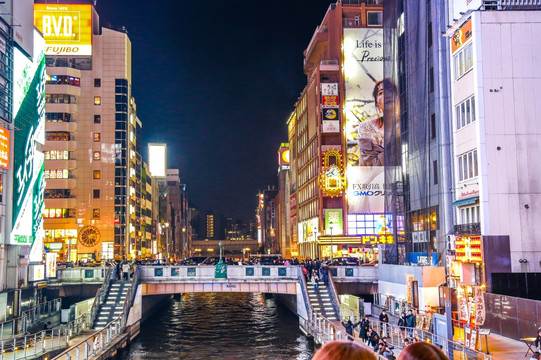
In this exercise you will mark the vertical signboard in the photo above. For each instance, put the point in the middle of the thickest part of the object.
(4, 148)
(50, 265)
(363, 111)
(333, 220)
(66, 28)
(157, 155)
(29, 120)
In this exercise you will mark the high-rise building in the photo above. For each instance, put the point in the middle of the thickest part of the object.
(92, 153)
(179, 241)
(336, 138)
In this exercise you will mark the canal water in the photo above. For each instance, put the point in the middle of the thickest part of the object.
(221, 326)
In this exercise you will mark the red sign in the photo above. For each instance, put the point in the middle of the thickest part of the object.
(469, 249)
(4, 148)
(330, 101)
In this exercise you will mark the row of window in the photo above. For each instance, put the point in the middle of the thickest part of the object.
(64, 80)
(57, 193)
(56, 174)
(309, 210)
(469, 214)
(463, 61)
(465, 113)
(467, 165)
(67, 213)
(57, 136)
(369, 224)
(57, 117)
(60, 99)
(57, 155)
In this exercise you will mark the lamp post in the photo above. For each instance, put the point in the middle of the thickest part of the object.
(331, 225)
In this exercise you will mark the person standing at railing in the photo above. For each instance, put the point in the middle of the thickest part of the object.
(363, 328)
(411, 322)
(384, 319)
(402, 324)
(349, 328)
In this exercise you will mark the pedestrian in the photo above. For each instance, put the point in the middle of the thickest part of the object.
(363, 329)
(388, 353)
(384, 320)
(411, 322)
(349, 328)
(47, 325)
(126, 270)
(324, 271)
(305, 273)
(537, 341)
(286, 263)
(339, 350)
(402, 323)
(118, 271)
(373, 338)
(315, 281)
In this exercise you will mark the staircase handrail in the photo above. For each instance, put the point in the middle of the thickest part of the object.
(335, 299)
(130, 295)
(28, 317)
(102, 293)
(304, 287)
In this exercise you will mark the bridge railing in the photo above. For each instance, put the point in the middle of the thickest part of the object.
(80, 275)
(234, 272)
(354, 273)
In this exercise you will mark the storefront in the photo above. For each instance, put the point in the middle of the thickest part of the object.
(365, 248)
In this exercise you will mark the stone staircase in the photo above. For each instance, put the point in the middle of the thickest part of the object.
(321, 301)
(113, 304)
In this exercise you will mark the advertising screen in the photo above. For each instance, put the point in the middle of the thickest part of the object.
(29, 120)
(363, 125)
(66, 28)
(50, 265)
(157, 155)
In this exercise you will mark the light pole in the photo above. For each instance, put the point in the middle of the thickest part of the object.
(331, 225)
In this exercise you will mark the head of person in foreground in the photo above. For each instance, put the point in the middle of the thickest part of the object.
(422, 351)
(341, 350)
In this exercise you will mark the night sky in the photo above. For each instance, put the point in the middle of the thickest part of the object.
(216, 81)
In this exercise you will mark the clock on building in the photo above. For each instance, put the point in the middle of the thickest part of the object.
(89, 236)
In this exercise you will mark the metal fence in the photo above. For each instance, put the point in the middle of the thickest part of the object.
(29, 318)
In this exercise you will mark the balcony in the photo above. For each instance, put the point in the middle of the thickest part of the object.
(61, 126)
(60, 164)
(62, 89)
(60, 145)
(59, 108)
(511, 5)
(67, 203)
(468, 229)
(329, 65)
(61, 183)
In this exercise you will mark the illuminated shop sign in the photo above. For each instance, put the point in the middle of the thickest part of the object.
(29, 120)
(333, 222)
(66, 28)
(461, 36)
(330, 101)
(283, 156)
(469, 249)
(331, 179)
(4, 148)
(50, 265)
(157, 154)
(308, 230)
(363, 119)
(329, 89)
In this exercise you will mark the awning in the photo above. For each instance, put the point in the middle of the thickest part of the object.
(465, 202)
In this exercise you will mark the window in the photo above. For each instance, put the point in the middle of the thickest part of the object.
(469, 214)
(57, 193)
(96, 194)
(63, 80)
(96, 213)
(429, 34)
(463, 61)
(97, 137)
(96, 174)
(435, 166)
(374, 18)
(467, 165)
(56, 174)
(57, 117)
(60, 99)
(97, 100)
(433, 126)
(97, 119)
(57, 136)
(97, 82)
(97, 155)
(369, 224)
(465, 113)
(57, 155)
(58, 213)
(431, 79)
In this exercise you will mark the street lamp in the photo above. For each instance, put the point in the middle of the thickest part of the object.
(331, 225)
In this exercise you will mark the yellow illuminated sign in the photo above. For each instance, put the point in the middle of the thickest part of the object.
(67, 29)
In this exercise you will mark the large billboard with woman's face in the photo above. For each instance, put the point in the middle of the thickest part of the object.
(364, 126)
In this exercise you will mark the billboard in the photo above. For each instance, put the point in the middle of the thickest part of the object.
(66, 28)
(157, 158)
(334, 217)
(4, 148)
(29, 120)
(363, 119)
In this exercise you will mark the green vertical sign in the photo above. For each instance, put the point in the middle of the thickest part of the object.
(334, 219)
